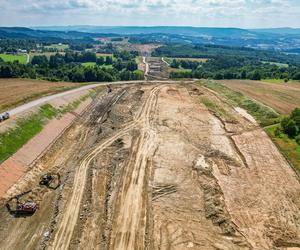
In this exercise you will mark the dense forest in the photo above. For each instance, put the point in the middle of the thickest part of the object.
(227, 67)
(230, 62)
(70, 67)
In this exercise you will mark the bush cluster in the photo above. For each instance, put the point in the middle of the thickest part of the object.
(291, 125)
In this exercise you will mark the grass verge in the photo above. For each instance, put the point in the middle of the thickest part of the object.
(289, 147)
(263, 114)
(26, 128)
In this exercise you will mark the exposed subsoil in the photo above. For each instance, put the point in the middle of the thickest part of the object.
(150, 167)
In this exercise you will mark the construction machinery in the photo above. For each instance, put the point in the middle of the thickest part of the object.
(17, 207)
(109, 89)
(50, 180)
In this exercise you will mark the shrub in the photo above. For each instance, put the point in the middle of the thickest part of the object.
(290, 128)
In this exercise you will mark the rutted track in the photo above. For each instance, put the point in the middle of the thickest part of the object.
(150, 167)
(130, 221)
(66, 227)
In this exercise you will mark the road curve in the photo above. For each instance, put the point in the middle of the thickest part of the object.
(45, 99)
(42, 100)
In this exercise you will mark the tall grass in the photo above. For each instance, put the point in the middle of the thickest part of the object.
(263, 114)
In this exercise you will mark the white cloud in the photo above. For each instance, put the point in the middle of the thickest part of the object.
(234, 13)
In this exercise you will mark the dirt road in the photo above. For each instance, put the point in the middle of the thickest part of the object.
(130, 222)
(66, 227)
(150, 167)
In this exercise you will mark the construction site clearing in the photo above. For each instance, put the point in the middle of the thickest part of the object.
(148, 166)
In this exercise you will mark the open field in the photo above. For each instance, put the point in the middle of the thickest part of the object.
(280, 81)
(103, 54)
(283, 65)
(281, 97)
(159, 166)
(14, 92)
(178, 70)
(92, 64)
(88, 64)
(59, 47)
(12, 58)
(170, 59)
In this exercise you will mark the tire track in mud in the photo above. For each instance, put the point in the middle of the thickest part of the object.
(130, 221)
(66, 226)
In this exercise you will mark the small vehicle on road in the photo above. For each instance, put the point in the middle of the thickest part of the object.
(4, 116)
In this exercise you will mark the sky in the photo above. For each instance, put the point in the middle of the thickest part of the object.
(200, 13)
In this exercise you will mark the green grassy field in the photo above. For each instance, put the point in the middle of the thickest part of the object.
(107, 66)
(92, 64)
(283, 65)
(12, 58)
(179, 70)
(170, 59)
(88, 64)
(279, 81)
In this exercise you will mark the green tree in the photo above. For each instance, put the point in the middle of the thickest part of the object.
(256, 76)
(295, 115)
(108, 60)
(290, 128)
(100, 60)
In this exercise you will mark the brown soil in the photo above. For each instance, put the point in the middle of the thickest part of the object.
(157, 68)
(149, 167)
(14, 92)
(282, 97)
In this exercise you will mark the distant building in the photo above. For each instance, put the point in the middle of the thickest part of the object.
(22, 51)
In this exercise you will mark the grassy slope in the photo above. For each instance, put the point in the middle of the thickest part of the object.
(12, 58)
(263, 114)
(289, 148)
(13, 139)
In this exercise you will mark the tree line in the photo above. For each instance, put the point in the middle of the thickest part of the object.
(68, 67)
(234, 67)
(291, 126)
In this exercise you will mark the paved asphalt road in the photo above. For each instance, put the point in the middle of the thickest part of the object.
(45, 99)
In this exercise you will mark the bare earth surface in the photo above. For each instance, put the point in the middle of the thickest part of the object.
(14, 92)
(149, 167)
(281, 97)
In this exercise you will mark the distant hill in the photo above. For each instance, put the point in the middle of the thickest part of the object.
(283, 39)
(179, 30)
(27, 33)
(280, 31)
(134, 30)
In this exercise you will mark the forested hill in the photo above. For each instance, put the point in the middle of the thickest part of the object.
(269, 39)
